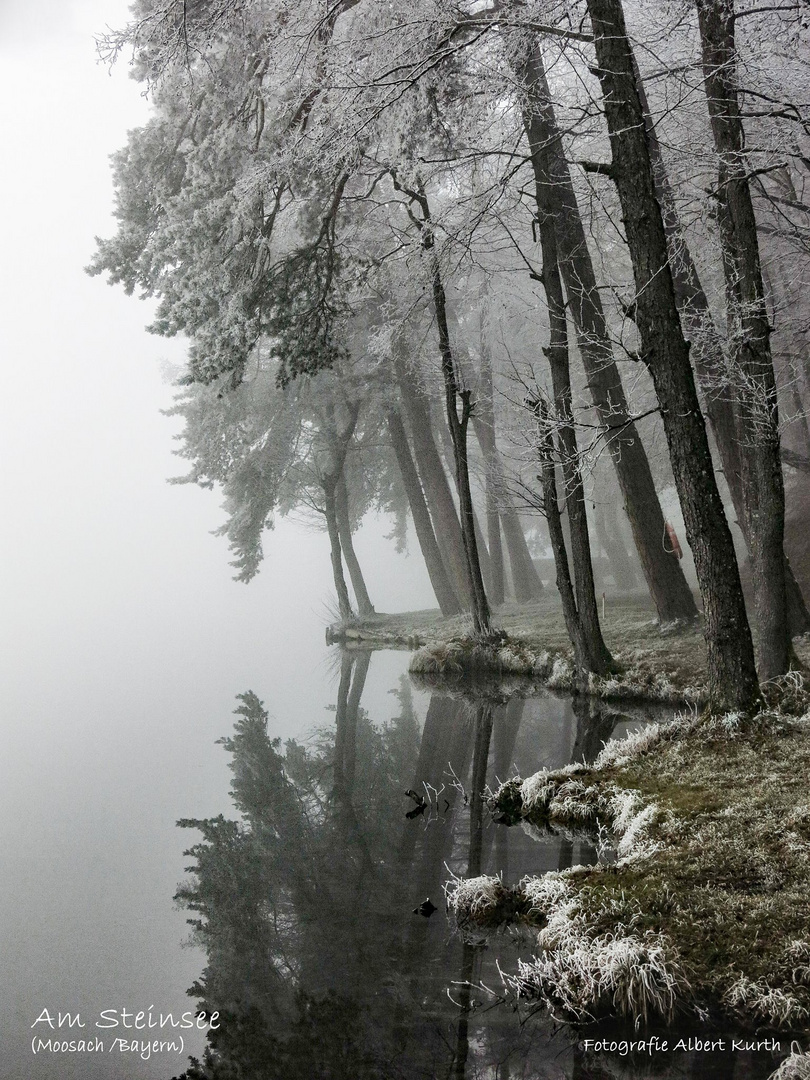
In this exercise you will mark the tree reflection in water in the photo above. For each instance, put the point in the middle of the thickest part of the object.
(304, 904)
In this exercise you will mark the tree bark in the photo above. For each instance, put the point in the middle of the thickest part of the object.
(434, 481)
(617, 555)
(565, 586)
(330, 509)
(525, 579)
(732, 670)
(707, 354)
(456, 398)
(486, 420)
(555, 195)
(364, 605)
(437, 571)
(749, 341)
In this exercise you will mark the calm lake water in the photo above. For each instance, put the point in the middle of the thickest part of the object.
(314, 840)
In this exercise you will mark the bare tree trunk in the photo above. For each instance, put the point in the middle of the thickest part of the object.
(595, 655)
(749, 341)
(732, 671)
(551, 506)
(364, 605)
(456, 398)
(330, 509)
(486, 440)
(555, 195)
(617, 554)
(525, 578)
(708, 357)
(434, 481)
(455, 395)
(439, 579)
(449, 457)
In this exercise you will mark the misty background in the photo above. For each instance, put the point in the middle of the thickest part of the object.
(125, 639)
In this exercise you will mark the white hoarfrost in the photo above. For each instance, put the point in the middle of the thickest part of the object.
(475, 899)
(633, 974)
(796, 1066)
(777, 1007)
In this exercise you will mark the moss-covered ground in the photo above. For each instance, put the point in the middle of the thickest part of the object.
(712, 820)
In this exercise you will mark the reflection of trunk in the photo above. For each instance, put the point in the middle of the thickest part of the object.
(341, 726)
(458, 1068)
(617, 555)
(364, 604)
(507, 725)
(709, 361)
(442, 586)
(732, 672)
(555, 195)
(749, 341)
(330, 509)
(434, 481)
(352, 716)
(478, 781)
(594, 727)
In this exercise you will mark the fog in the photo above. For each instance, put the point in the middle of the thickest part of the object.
(125, 638)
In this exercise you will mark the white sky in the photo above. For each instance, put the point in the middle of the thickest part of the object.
(124, 639)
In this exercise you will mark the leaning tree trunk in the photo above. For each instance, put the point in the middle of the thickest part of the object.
(749, 341)
(434, 481)
(364, 605)
(555, 195)
(616, 553)
(707, 355)
(732, 671)
(449, 457)
(439, 578)
(492, 492)
(525, 579)
(458, 406)
(596, 656)
(458, 423)
(551, 507)
(332, 528)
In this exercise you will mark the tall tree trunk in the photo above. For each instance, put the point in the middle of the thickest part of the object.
(565, 586)
(364, 605)
(434, 482)
(732, 671)
(526, 580)
(330, 509)
(596, 656)
(449, 457)
(458, 423)
(555, 195)
(439, 579)
(749, 341)
(707, 355)
(486, 419)
(458, 406)
(617, 554)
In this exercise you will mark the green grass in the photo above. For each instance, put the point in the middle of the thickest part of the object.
(713, 878)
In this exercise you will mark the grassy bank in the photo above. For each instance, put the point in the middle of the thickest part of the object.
(707, 909)
(652, 665)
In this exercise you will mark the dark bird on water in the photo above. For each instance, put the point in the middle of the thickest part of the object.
(425, 908)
